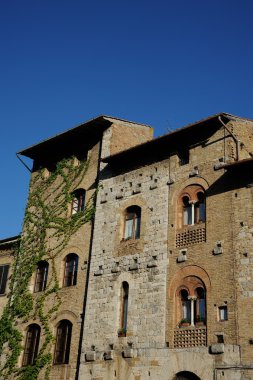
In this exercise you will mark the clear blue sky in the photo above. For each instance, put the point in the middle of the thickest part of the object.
(164, 63)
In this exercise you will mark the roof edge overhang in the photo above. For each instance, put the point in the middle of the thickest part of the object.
(172, 136)
(92, 128)
(10, 240)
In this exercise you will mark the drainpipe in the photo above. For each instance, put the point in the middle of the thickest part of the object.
(237, 142)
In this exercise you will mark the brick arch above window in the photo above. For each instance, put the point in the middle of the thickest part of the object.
(186, 272)
(64, 314)
(191, 208)
(190, 306)
(198, 181)
(181, 288)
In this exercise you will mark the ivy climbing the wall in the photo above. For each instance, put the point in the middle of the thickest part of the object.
(47, 230)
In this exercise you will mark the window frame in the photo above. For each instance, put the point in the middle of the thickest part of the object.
(70, 276)
(78, 201)
(191, 303)
(192, 206)
(124, 308)
(63, 342)
(4, 271)
(223, 309)
(42, 275)
(132, 215)
(31, 347)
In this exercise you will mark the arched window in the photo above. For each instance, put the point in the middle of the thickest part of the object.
(187, 211)
(63, 341)
(132, 223)
(191, 303)
(186, 305)
(124, 308)
(200, 312)
(78, 201)
(41, 276)
(31, 344)
(70, 270)
(192, 206)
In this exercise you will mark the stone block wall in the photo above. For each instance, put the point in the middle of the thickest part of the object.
(73, 297)
(153, 268)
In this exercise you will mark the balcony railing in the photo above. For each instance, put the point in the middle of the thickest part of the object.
(186, 337)
(191, 235)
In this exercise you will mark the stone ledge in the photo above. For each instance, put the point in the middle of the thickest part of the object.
(109, 355)
(217, 348)
(90, 356)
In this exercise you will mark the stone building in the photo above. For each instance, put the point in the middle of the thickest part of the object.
(160, 284)
(7, 250)
(170, 292)
(87, 142)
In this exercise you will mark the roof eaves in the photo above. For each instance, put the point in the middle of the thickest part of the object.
(98, 118)
(167, 135)
(101, 118)
(112, 118)
(10, 240)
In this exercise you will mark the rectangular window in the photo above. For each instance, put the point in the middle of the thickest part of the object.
(129, 228)
(4, 269)
(184, 157)
(223, 313)
(188, 215)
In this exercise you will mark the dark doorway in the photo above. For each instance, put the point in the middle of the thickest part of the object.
(185, 375)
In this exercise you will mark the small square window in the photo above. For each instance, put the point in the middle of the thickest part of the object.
(223, 313)
(220, 338)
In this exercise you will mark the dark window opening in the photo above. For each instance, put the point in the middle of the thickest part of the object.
(124, 308)
(41, 277)
(4, 269)
(184, 157)
(220, 338)
(31, 345)
(70, 270)
(200, 305)
(63, 341)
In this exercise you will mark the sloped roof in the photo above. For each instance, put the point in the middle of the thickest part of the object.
(9, 241)
(193, 132)
(88, 131)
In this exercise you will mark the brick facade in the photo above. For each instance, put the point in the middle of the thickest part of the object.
(191, 259)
